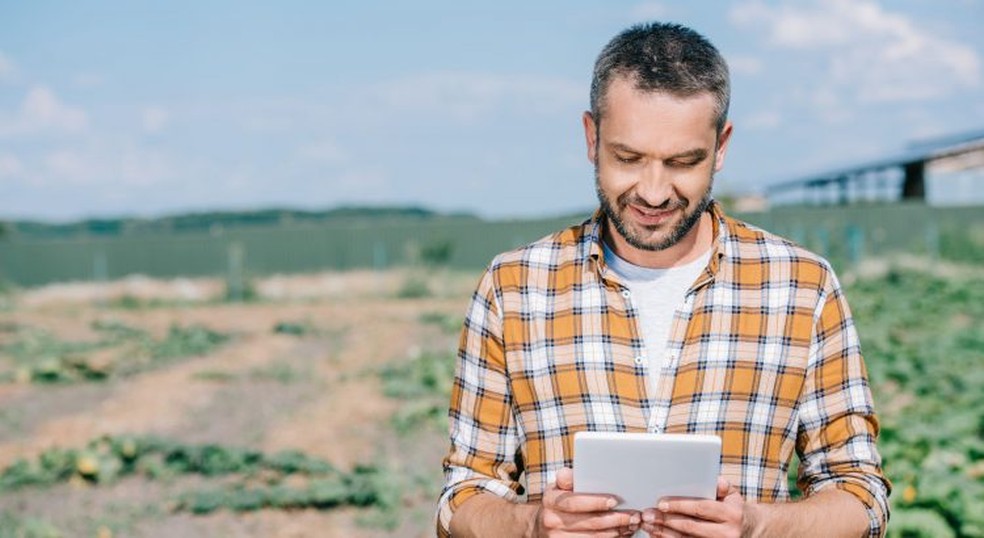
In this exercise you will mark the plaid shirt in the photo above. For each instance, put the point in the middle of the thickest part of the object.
(763, 353)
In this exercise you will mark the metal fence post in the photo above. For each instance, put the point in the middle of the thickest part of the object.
(235, 283)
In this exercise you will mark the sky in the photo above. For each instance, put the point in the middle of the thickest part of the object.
(143, 108)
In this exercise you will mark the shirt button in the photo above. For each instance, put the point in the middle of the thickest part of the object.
(654, 429)
(640, 360)
(626, 294)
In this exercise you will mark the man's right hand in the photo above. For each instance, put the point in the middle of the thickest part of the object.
(565, 513)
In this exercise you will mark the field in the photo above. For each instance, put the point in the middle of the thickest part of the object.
(315, 407)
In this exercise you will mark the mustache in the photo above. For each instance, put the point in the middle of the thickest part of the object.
(633, 199)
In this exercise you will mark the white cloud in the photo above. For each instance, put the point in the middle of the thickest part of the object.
(119, 166)
(648, 11)
(68, 166)
(744, 65)
(87, 80)
(467, 96)
(322, 151)
(43, 112)
(6, 67)
(762, 120)
(10, 166)
(875, 55)
(154, 119)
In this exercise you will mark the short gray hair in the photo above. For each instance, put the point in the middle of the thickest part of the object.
(663, 57)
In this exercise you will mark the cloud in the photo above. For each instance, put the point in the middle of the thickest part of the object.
(744, 65)
(154, 119)
(43, 112)
(87, 81)
(7, 68)
(762, 120)
(10, 166)
(876, 55)
(468, 96)
(649, 11)
(120, 166)
(67, 166)
(322, 151)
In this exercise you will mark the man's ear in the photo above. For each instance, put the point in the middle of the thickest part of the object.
(722, 146)
(590, 136)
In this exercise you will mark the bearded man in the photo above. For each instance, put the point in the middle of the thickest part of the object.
(661, 314)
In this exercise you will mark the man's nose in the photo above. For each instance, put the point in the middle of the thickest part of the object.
(655, 187)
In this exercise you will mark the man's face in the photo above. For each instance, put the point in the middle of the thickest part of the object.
(655, 156)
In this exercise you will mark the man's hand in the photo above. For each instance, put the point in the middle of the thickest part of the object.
(677, 517)
(565, 513)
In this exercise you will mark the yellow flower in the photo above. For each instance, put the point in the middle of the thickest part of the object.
(909, 493)
(87, 465)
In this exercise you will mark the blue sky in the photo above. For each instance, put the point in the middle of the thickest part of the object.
(147, 108)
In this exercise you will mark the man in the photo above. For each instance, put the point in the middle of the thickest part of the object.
(661, 314)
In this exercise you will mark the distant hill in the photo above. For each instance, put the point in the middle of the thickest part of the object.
(216, 220)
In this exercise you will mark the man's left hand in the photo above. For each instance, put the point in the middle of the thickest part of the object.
(678, 517)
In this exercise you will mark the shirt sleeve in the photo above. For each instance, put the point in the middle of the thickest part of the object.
(838, 428)
(483, 432)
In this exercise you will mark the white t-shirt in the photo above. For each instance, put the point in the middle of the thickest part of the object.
(656, 295)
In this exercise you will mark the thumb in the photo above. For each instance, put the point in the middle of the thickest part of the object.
(565, 479)
(723, 488)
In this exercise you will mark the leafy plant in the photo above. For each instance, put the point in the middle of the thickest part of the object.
(423, 381)
(923, 339)
(258, 478)
(41, 357)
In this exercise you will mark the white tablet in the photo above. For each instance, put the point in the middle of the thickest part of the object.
(641, 468)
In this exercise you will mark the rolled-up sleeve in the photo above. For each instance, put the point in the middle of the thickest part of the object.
(483, 433)
(837, 428)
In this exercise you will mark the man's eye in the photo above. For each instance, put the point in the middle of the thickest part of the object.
(627, 159)
(683, 164)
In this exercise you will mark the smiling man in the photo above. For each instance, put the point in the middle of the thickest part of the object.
(661, 314)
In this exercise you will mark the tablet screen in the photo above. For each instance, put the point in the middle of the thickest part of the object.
(641, 468)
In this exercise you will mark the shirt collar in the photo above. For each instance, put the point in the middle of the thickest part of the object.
(722, 246)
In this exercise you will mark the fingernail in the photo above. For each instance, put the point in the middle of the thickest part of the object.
(663, 506)
(648, 517)
(634, 520)
(612, 503)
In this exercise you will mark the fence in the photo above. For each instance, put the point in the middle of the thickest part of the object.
(843, 234)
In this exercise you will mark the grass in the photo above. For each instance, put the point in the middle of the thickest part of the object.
(424, 382)
(121, 350)
(449, 324)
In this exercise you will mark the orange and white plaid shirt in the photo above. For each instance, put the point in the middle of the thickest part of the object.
(763, 353)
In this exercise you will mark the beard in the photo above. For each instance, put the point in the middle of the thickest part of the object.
(633, 237)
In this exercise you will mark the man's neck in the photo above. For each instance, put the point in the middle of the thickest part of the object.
(697, 241)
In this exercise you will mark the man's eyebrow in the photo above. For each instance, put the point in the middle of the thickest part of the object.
(618, 146)
(697, 154)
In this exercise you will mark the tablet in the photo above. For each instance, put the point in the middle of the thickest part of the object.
(641, 468)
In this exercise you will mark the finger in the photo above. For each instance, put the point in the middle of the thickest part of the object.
(723, 488)
(565, 479)
(665, 532)
(565, 501)
(651, 515)
(694, 508)
(689, 526)
(590, 522)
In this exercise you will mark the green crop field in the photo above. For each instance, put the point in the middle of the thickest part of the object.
(328, 415)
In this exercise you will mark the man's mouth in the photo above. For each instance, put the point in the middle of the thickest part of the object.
(652, 217)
